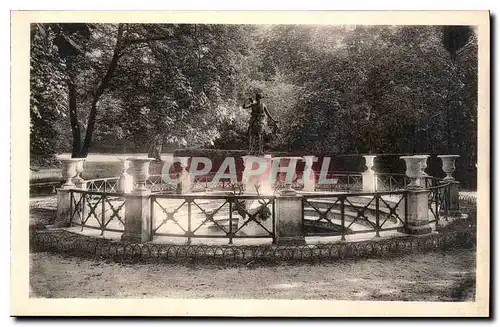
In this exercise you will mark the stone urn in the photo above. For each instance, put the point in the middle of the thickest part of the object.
(424, 163)
(369, 161)
(79, 170)
(126, 181)
(140, 172)
(69, 171)
(413, 169)
(448, 161)
(423, 167)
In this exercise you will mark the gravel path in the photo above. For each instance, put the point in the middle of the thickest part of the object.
(439, 276)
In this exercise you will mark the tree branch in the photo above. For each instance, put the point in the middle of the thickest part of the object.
(146, 40)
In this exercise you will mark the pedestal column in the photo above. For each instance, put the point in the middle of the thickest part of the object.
(138, 224)
(289, 227)
(185, 177)
(369, 177)
(417, 199)
(451, 199)
(63, 215)
(418, 212)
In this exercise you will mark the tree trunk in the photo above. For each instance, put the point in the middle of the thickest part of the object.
(73, 118)
(90, 130)
(155, 147)
(100, 90)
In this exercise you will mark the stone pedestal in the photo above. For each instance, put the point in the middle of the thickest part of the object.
(138, 224)
(418, 212)
(451, 199)
(288, 224)
(63, 215)
(369, 181)
(185, 182)
(185, 177)
(69, 171)
(369, 177)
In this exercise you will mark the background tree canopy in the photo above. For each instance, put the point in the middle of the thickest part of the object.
(334, 89)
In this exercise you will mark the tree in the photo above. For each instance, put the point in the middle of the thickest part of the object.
(47, 96)
(456, 40)
(179, 91)
(91, 53)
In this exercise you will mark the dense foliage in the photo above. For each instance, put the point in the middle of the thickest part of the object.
(334, 89)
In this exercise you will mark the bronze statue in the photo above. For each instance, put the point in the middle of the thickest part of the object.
(258, 126)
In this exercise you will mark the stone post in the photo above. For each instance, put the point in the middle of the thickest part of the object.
(126, 181)
(308, 175)
(63, 215)
(451, 199)
(418, 212)
(289, 229)
(369, 176)
(185, 177)
(417, 200)
(138, 224)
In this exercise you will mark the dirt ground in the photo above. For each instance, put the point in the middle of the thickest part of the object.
(438, 276)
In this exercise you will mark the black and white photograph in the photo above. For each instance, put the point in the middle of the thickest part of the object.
(299, 160)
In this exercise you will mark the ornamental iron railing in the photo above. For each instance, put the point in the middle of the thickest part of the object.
(97, 210)
(346, 214)
(235, 215)
(213, 216)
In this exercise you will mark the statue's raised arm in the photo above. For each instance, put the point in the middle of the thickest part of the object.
(247, 105)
